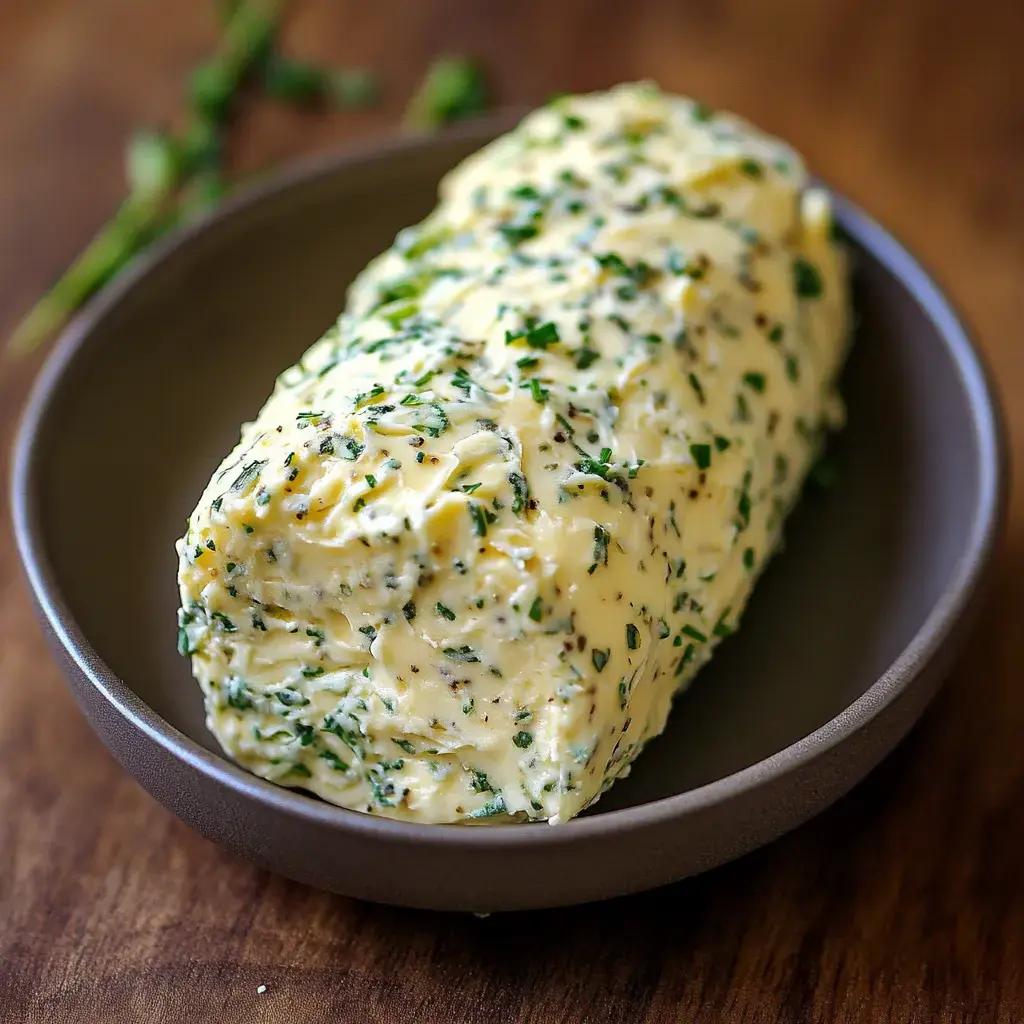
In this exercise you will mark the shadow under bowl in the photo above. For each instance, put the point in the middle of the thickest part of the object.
(846, 639)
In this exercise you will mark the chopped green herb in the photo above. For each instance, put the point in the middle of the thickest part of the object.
(686, 658)
(225, 623)
(595, 467)
(239, 695)
(349, 737)
(444, 611)
(600, 658)
(523, 739)
(537, 609)
(489, 809)
(478, 516)
(720, 628)
(632, 636)
(755, 381)
(601, 540)
(185, 646)
(368, 396)
(701, 454)
(538, 337)
(396, 317)
(463, 653)
(614, 263)
(334, 761)
(520, 492)
(743, 509)
(248, 475)
(539, 393)
(514, 234)
(807, 279)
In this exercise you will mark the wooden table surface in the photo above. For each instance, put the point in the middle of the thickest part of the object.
(905, 902)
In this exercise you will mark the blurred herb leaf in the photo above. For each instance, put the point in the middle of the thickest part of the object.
(174, 176)
(454, 88)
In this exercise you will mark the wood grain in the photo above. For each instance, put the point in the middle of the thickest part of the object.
(903, 903)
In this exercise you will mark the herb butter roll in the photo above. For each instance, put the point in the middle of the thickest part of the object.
(493, 521)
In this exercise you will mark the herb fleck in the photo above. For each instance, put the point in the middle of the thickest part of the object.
(463, 653)
(807, 279)
(248, 475)
(701, 454)
(632, 636)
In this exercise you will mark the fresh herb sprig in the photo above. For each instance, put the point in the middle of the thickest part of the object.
(172, 176)
(158, 165)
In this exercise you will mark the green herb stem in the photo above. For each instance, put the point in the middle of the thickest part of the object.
(156, 166)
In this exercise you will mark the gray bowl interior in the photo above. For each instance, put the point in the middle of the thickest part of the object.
(149, 406)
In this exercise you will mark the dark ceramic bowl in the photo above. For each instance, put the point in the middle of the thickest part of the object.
(845, 642)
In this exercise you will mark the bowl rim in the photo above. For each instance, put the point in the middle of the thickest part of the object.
(988, 518)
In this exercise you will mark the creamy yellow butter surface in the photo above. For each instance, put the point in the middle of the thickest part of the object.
(489, 526)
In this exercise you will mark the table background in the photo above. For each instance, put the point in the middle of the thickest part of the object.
(904, 902)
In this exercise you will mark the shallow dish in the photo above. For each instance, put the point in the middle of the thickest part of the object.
(845, 641)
